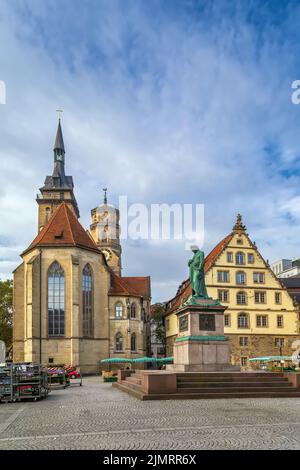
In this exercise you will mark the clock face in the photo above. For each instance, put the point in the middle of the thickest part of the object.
(107, 254)
(59, 158)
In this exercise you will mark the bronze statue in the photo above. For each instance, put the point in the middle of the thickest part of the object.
(197, 274)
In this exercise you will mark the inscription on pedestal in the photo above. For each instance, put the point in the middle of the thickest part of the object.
(183, 323)
(207, 322)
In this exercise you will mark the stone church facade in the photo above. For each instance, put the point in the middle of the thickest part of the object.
(71, 304)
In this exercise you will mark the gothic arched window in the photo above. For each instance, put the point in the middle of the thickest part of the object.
(133, 311)
(119, 342)
(87, 300)
(56, 300)
(133, 342)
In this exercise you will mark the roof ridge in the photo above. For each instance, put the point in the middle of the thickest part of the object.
(72, 233)
(48, 225)
(68, 221)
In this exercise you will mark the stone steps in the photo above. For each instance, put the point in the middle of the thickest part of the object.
(129, 389)
(133, 385)
(228, 374)
(235, 384)
(248, 379)
(213, 385)
(251, 389)
(134, 380)
(214, 396)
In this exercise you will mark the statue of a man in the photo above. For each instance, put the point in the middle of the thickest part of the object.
(197, 275)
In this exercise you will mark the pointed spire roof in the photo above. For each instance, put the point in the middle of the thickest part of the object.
(63, 229)
(59, 141)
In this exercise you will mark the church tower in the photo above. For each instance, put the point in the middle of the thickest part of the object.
(57, 188)
(105, 230)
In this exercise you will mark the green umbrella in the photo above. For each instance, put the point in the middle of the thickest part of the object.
(164, 360)
(116, 360)
(144, 359)
(271, 358)
(160, 360)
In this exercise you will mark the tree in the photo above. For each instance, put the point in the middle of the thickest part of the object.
(157, 311)
(6, 312)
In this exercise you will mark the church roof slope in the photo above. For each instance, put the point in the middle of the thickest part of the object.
(63, 229)
(138, 286)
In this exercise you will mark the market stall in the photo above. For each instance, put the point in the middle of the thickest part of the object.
(275, 363)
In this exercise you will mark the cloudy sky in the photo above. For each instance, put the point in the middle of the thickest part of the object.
(164, 101)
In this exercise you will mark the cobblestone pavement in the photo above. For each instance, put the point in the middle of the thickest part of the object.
(98, 416)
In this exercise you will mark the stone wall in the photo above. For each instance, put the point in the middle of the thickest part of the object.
(259, 346)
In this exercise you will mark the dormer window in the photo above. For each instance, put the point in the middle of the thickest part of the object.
(59, 235)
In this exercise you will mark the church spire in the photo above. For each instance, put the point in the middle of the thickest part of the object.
(59, 148)
(59, 141)
(58, 187)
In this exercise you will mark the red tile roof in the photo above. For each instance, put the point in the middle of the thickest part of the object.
(64, 229)
(213, 255)
(185, 290)
(137, 286)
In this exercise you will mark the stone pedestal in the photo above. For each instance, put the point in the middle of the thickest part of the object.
(201, 344)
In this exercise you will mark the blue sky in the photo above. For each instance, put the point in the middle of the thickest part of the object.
(164, 101)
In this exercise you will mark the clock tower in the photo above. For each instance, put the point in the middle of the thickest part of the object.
(105, 230)
(57, 188)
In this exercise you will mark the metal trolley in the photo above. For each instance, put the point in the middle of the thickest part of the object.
(75, 376)
(23, 381)
(58, 377)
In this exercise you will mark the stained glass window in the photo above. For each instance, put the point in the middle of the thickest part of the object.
(56, 300)
(87, 301)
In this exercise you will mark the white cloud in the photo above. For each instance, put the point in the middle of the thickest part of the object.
(164, 108)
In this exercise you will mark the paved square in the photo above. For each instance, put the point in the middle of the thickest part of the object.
(98, 416)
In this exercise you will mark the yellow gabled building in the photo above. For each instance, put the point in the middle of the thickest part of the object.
(261, 318)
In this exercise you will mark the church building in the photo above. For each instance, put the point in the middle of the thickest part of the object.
(71, 304)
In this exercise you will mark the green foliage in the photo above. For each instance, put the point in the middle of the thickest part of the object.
(6, 311)
(157, 317)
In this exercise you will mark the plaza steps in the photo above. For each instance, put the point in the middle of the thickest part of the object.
(213, 385)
